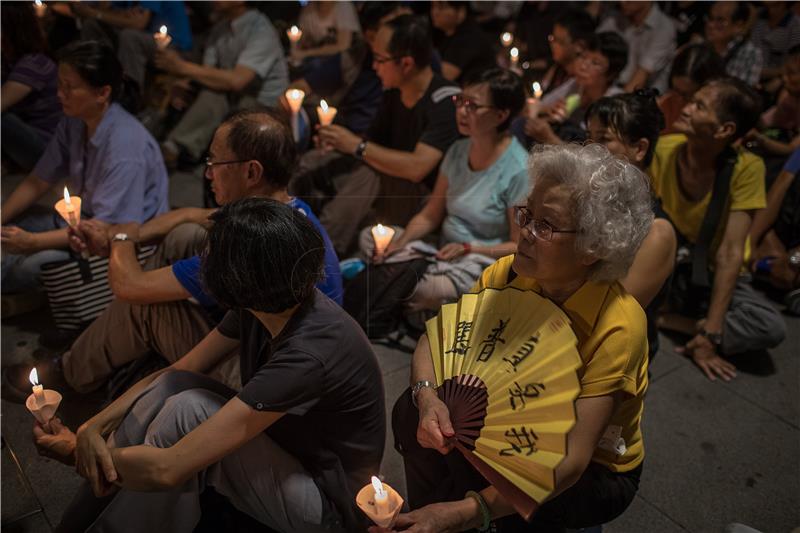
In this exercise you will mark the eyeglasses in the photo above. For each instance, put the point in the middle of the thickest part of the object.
(459, 100)
(211, 164)
(541, 229)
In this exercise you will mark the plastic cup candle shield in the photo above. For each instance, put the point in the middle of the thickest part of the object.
(382, 235)
(514, 55)
(506, 39)
(325, 113)
(294, 33)
(295, 98)
(69, 208)
(380, 502)
(533, 104)
(162, 38)
(42, 403)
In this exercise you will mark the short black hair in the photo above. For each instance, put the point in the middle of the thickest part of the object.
(741, 12)
(411, 36)
(263, 134)
(631, 116)
(371, 13)
(262, 255)
(736, 102)
(506, 91)
(96, 63)
(699, 63)
(578, 22)
(613, 47)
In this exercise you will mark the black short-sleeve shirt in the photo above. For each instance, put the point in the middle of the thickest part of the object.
(469, 49)
(431, 121)
(321, 371)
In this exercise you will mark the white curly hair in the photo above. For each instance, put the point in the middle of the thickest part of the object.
(612, 202)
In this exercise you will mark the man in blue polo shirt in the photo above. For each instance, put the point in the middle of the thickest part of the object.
(166, 308)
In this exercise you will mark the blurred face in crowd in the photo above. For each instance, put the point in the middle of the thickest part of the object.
(562, 48)
(699, 117)
(78, 98)
(475, 113)
(616, 144)
(592, 70)
(791, 75)
(554, 260)
(228, 180)
(391, 70)
(720, 27)
(684, 86)
(446, 17)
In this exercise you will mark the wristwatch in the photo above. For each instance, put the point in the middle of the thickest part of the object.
(120, 237)
(418, 386)
(715, 338)
(360, 149)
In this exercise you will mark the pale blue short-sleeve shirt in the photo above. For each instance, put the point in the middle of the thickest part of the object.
(478, 202)
(119, 173)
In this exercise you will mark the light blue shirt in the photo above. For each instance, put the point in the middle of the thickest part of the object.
(119, 173)
(478, 202)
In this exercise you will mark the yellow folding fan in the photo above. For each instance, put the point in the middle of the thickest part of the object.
(506, 362)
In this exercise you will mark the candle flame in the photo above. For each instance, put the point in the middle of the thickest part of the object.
(34, 377)
(295, 94)
(66, 196)
(507, 37)
(536, 87)
(324, 105)
(378, 486)
(163, 30)
(514, 52)
(294, 30)
(38, 3)
(380, 229)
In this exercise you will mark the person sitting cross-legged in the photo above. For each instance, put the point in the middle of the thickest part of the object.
(291, 449)
(165, 307)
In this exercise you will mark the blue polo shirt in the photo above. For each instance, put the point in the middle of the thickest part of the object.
(171, 14)
(119, 173)
(187, 271)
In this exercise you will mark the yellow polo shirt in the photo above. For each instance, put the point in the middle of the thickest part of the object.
(612, 340)
(747, 190)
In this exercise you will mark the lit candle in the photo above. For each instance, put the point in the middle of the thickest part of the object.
(381, 497)
(40, 8)
(162, 38)
(69, 208)
(294, 33)
(38, 390)
(534, 103)
(295, 99)
(514, 55)
(506, 39)
(325, 113)
(382, 235)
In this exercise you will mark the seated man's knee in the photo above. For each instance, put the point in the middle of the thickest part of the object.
(182, 412)
(185, 239)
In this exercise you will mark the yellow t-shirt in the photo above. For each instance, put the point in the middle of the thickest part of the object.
(746, 190)
(612, 340)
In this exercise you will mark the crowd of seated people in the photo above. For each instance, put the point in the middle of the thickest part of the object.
(635, 164)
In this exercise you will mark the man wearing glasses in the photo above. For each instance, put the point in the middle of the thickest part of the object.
(165, 308)
(400, 154)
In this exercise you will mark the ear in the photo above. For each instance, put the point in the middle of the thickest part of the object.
(104, 94)
(502, 115)
(407, 64)
(640, 149)
(588, 260)
(255, 171)
(725, 130)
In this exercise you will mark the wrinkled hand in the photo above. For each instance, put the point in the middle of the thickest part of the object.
(703, 353)
(168, 60)
(89, 236)
(18, 241)
(56, 441)
(338, 138)
(433, 518)
(93, 461)
(435, 429)
(451, 251)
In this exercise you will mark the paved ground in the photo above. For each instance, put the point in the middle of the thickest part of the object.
(716, 452)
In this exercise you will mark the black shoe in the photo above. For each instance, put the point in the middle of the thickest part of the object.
(16, 385)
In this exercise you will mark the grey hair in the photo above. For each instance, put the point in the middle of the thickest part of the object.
(612, 202)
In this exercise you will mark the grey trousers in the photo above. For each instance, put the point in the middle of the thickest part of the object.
(125, 332)
(260, 478)
(751, 323)
(197, 126)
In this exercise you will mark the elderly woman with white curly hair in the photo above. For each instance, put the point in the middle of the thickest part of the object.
(585, 217)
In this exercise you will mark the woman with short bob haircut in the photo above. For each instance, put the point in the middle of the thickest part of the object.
(581, 226)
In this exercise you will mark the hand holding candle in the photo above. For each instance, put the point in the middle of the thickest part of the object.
(69, 208)
(162, 38)
(380, 502)
(295, 97)
(382, 235)
(42, 403)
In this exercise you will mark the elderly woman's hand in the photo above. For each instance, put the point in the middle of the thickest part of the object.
(435, 429)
